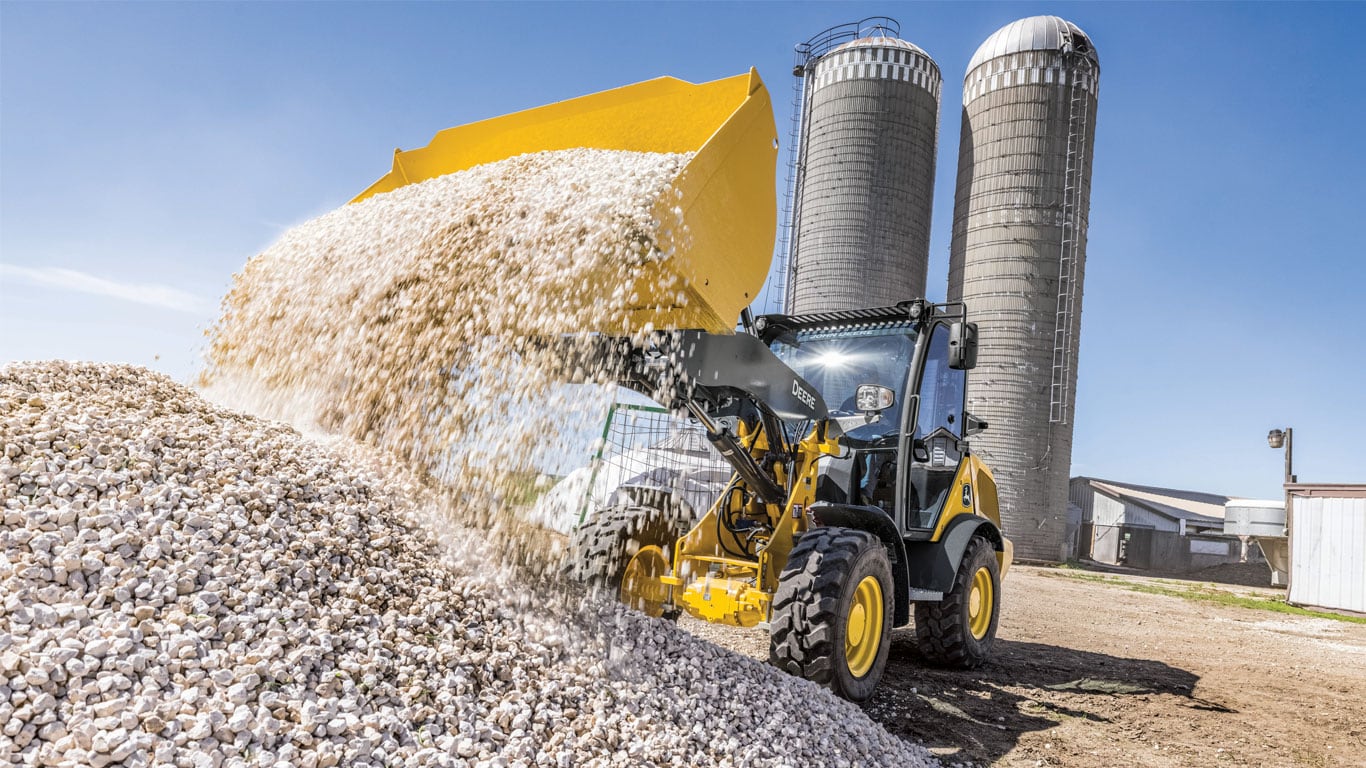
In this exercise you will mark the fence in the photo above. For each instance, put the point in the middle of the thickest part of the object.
(647, 445)
(1145, 547)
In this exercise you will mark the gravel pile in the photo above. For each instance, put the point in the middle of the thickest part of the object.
(183, 584)
(415, 320)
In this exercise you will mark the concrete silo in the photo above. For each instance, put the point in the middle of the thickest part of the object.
(865, 169)
(1018, 259)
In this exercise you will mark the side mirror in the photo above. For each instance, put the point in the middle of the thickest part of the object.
(972, 425)
(963, 346)
(872, 398)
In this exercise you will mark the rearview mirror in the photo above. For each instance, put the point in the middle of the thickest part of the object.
(872, 398)
(963, 346)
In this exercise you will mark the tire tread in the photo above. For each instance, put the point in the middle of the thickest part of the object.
(941, 628)
(806, 606)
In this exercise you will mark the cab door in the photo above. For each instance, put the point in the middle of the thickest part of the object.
(936, 436)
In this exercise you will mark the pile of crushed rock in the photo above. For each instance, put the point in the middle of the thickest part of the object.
(187, 585)
(417, 320)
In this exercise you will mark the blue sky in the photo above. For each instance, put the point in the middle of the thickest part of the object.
(147, 150)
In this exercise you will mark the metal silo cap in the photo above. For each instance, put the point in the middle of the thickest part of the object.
(1036, 33)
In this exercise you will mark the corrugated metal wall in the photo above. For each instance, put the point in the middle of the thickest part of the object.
(865, 178)
(1108, 511)
(1105, 548)
(1018, 261)
(1080, 492)
(1328, 552)
(1105, 510)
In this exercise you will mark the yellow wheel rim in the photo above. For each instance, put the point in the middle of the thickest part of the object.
(863, 632)
(981, 602)
(640, 585)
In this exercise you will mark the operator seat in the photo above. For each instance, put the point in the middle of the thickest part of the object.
(878, 488)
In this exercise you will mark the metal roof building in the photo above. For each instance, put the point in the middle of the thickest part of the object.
(1149, 527)
(1165, 507)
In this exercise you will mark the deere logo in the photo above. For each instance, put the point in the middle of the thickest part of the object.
(967, 496)
(803, 395)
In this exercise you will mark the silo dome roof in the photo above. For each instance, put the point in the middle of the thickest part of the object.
(1036, 33)
(881, 42)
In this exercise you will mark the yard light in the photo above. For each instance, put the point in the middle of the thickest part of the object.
(1276, 438)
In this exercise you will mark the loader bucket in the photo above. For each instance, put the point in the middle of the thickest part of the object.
(726, 192)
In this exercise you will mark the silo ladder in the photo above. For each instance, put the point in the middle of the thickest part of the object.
(1060, 392)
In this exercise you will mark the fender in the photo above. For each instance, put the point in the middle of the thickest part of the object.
(931, 565)
(874, 521)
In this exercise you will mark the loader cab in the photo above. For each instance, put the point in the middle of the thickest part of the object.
(838, 361)
(905, 458)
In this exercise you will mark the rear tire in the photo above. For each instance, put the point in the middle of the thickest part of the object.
(602, 547)
(960, 630)
(832, 613)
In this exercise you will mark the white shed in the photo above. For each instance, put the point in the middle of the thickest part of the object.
(1328, 546)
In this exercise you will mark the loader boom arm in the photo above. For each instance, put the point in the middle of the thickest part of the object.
(684, 367)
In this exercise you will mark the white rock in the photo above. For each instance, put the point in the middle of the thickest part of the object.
(320, 606)
(239, 693)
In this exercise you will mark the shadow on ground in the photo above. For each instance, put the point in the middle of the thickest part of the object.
(979, 715)
(1234, 574)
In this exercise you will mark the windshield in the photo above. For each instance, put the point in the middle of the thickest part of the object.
(837, 362)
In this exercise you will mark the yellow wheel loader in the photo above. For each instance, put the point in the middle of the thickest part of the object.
(855, 506)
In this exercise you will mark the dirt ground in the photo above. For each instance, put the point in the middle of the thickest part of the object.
(1088, 673)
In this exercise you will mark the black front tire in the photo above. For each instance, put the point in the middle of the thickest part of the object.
(811, 609)
(944, 630)
(603, 545)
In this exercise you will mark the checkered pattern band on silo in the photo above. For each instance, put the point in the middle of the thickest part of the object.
(1026, 68)
(873, 62)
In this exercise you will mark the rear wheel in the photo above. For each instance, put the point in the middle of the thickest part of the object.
(832, 617)
(625, 549)
(960, 630)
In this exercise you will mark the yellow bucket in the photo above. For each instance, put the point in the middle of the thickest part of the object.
(727, 190)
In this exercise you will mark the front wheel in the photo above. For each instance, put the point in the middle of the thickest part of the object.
(625, 550)
(832, 613)
(960, 630)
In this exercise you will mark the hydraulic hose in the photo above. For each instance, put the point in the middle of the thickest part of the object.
(730, 448)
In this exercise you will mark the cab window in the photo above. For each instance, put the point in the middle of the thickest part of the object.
(941, 390)
(938, 429)
(837, 361)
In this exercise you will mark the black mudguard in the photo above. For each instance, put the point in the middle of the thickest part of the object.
(874, 521)
(653, 497)
(931, 565)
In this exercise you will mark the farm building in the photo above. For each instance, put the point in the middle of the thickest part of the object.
(1328, 545)
(1145, 527)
